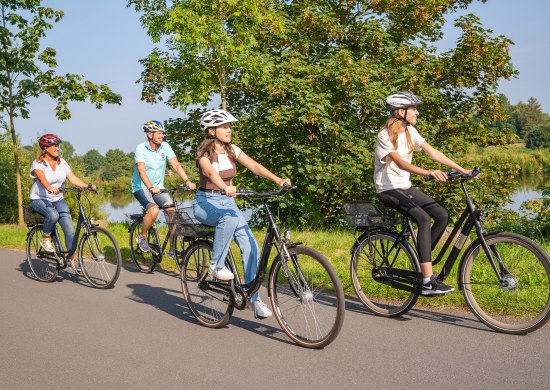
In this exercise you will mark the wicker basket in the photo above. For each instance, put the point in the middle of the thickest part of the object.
(185, 224)
(30, 216)
(362, 213)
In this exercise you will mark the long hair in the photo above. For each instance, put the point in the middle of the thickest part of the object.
(394, 124)
(40, 157)
(206, 149)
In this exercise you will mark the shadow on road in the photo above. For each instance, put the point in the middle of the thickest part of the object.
(64, 274)
(171, 302)
(457, 318)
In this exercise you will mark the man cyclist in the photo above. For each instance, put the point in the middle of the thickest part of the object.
(148, 178)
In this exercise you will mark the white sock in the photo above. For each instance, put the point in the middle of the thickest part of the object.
(426, 280)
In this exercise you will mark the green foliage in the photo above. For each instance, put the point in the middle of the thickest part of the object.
(117, 164)
(529, 116)
(307, 80)
(93, 160)
(539, 138)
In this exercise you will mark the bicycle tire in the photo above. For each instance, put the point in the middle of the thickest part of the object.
(211, 308)
(522, 304)
(99, 257)
(379, 296)
(144, 261)
(309, 304)
(43, 266)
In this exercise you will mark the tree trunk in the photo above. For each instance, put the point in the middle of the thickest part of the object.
(17, 170)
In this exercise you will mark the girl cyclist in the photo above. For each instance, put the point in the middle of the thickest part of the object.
(217, 160)
(397, 140)
(50, 172)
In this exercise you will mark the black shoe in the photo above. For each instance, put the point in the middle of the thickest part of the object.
(435, 287)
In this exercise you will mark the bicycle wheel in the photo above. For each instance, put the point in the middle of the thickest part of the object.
(179, 245)
(521, 303)
(43, 265)
(211, 307)
(144, 261)
(387, 254)
(99, 257)
(307, 297)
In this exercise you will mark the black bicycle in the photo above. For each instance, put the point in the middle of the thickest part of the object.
(504, 277)
(98, 253)
(305, 291)
(178, 237)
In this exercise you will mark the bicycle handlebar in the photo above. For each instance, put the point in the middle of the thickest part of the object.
(270, 194)
(77, 189)
(451, 175)
(174, 189)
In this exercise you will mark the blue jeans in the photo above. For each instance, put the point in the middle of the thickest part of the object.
(222, 212)
(54, 212)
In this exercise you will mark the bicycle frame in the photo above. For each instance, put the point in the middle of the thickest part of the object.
(272, 238)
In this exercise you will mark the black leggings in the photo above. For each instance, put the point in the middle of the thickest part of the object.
(420, 207)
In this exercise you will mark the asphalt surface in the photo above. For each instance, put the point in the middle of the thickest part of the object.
(140, 335)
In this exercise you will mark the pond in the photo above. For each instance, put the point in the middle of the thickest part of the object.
(119, 208)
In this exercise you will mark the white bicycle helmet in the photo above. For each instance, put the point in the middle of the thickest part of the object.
(402, 100)
(153, 126)
(215, 118)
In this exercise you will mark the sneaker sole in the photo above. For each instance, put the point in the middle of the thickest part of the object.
(435, 292)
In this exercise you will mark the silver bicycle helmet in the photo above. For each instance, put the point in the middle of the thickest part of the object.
(215, 118)
(153, 126)
(402, 100)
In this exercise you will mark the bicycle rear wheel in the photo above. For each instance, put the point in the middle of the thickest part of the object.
(99, 256)
(144, 261)
(43, 265)
(179, 246)
(211, 307)
(521, 303)
(376, 270)
(307, 297)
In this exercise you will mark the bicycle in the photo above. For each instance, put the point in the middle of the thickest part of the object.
(147, 261)
(504, 277)
(98, 253)
(304, 289)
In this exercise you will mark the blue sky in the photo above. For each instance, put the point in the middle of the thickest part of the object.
(103, 40)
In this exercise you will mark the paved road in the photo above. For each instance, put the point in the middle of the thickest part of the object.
(140, 335)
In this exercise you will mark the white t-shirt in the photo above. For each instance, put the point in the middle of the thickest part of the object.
(388, 176)
(55, 178)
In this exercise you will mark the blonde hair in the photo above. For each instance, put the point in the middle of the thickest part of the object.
(394, 124)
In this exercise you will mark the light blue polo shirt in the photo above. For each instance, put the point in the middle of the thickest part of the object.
(155, 164)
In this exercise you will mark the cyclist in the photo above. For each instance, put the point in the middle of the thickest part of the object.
(50, 172)
(397, 140)
(217, 160)
(148, 178)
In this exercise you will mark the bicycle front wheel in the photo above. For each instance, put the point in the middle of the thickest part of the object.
(144, 261)
(384, 274)
(99, 256)
(43, 265)
(179, 246)
(307, 297)
(211, 306)
(518, 304)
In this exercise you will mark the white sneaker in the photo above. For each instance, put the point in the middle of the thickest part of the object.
(47, 245)
(222, 273)
(260, 309)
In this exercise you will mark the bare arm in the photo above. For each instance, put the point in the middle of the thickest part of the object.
(176, 166)
(73, 179)
(260, 170)
(439, 157)
(143, 175)
(42, 179)
(209, 171)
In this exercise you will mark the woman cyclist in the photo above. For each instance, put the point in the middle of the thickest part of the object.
(50, 172)
(216, 159)
(397, 140)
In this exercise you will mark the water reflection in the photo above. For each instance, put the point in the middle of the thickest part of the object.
(119, 207)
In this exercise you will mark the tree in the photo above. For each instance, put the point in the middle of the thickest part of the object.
(309, 91)
(529, 116)
(93, 160)
(27, 71)
(539, 138)
(117, 164)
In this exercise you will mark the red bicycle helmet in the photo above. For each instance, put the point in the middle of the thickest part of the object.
(48, 140)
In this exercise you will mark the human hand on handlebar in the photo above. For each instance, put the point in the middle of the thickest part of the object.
(230, 190)
(285, 181)
(438, 175)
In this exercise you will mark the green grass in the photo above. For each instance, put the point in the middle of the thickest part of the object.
(335, 245)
